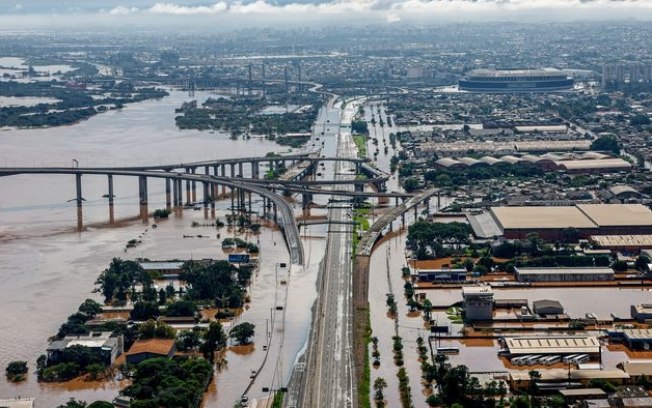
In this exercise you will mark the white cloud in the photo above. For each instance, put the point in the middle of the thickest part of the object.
(175, 9)
(18, 6)
(397, 10)
(121, 11)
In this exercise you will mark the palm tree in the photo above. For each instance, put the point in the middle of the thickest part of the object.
(427, 309)
(379, 385)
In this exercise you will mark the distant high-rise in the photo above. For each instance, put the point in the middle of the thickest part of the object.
(626, 72)
(508, 81)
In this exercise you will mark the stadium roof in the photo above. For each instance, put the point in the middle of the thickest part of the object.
(506, 73)
(541, 217)
(611, 215)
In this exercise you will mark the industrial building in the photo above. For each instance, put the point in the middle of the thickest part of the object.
(478, 302)
(509, 81)
(631, 244)
(635, 339)
(642, 313)
(441, 275)
(553, 344)
(571, 163)
(547, 307)
(564, 274)
(585, 220)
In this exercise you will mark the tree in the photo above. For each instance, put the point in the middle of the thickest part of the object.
(619, 266)
(143, 311)
(606, 143)
(639, 120)
(95, 370)
(16, 370)
(181, 308)
(642, 263)
(90, 308)
(410, 184)
(214, 338)
(379, 385)
(188, 339)
(101, 404)
(242, 332)
(535, 242)
(152, 329)
(427, 309)
(73, 403)
(433, 401)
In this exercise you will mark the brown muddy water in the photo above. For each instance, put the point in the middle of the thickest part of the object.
(48, 268)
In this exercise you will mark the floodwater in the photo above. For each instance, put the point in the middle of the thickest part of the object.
(577, 302)
(15, 66)
(48, 268)
(28, 101)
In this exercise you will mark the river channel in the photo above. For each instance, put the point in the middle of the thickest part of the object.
(48, 268)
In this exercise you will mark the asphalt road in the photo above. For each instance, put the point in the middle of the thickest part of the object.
(331, 379)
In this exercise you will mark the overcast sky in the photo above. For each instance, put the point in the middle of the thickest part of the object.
(28, 13)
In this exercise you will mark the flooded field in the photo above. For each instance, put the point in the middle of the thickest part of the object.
(49, 268)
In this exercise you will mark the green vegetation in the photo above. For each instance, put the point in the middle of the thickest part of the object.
(404, 388)
(242, 115)
(448, 178)
(360, 126)
(291, 141)
(361, 144)
(607, 143)
(116, 281)
(16, 371)
(75, 325)
(243, 332)
(162, 213)
(364, 382)
(379, 385)
(74, 361)
(218, 282)
(161, 382)
(155, 330)
(278, 400)
(432, 240)
(73, 103)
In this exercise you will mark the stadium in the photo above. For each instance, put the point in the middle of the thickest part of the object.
(489, 80)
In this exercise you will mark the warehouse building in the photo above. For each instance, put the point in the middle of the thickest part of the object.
(441, 275)
(635, 339)
(642, 313)
(548, 222)
(630, 244)
(552, 223)
(553, 344)
(619, 219)
(564, 274)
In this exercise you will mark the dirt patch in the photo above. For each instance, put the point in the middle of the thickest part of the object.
(209, 313)
(630, 353)
(114, 315)
(477, 342)
(243, 350)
